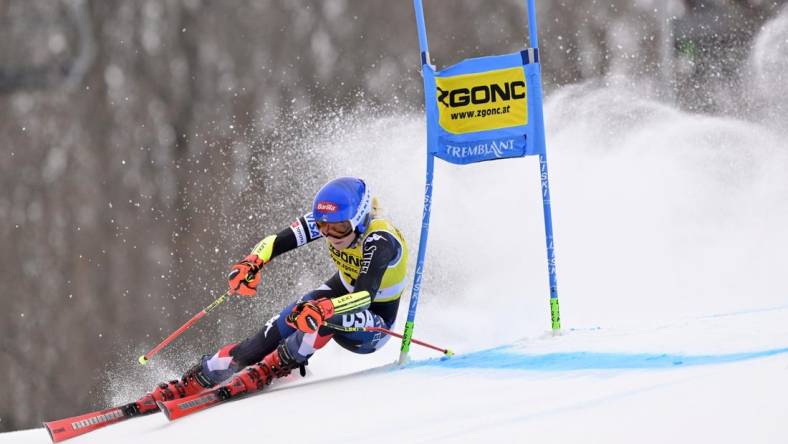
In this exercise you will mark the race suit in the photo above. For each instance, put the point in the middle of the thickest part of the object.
(376, 262)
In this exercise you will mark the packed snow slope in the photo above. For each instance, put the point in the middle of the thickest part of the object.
(713, 379)
(671, 250)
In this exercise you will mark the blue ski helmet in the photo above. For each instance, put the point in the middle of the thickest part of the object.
(344, 198)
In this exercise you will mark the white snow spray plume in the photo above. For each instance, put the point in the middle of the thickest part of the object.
(657, 213)
(768, 69)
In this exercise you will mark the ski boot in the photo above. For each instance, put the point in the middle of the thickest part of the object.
(192, 383)
(277, 364)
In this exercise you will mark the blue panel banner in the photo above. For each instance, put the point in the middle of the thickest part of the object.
(485, 108)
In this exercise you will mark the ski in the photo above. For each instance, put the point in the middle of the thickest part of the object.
(63, 429)
(178, 408)
(246, 383)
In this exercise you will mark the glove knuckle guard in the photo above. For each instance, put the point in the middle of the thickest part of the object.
(306, 317)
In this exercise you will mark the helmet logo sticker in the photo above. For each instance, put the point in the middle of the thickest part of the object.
(327, 207)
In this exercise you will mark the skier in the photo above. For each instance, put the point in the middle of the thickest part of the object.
(370, 255)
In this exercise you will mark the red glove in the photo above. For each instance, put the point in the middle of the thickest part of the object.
(309, 316)
(243, 277)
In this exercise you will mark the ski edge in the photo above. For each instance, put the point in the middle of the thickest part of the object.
(164, 409)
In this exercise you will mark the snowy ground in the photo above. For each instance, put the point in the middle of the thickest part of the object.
(718, 378)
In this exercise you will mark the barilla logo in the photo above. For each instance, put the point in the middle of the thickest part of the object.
(327, 207)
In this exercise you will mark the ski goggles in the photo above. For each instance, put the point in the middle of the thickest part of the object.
(336, 230)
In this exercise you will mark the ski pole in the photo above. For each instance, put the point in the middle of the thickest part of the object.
(144, 358)
(445, 351)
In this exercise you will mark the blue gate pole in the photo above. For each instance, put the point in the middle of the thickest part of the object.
(414, 294)
(532, 24)
(422, 29)
(425, 221)
(555, 314)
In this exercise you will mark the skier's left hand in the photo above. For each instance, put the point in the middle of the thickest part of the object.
(309, 316)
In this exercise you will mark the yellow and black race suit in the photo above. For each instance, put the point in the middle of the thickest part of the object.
(375, 262)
